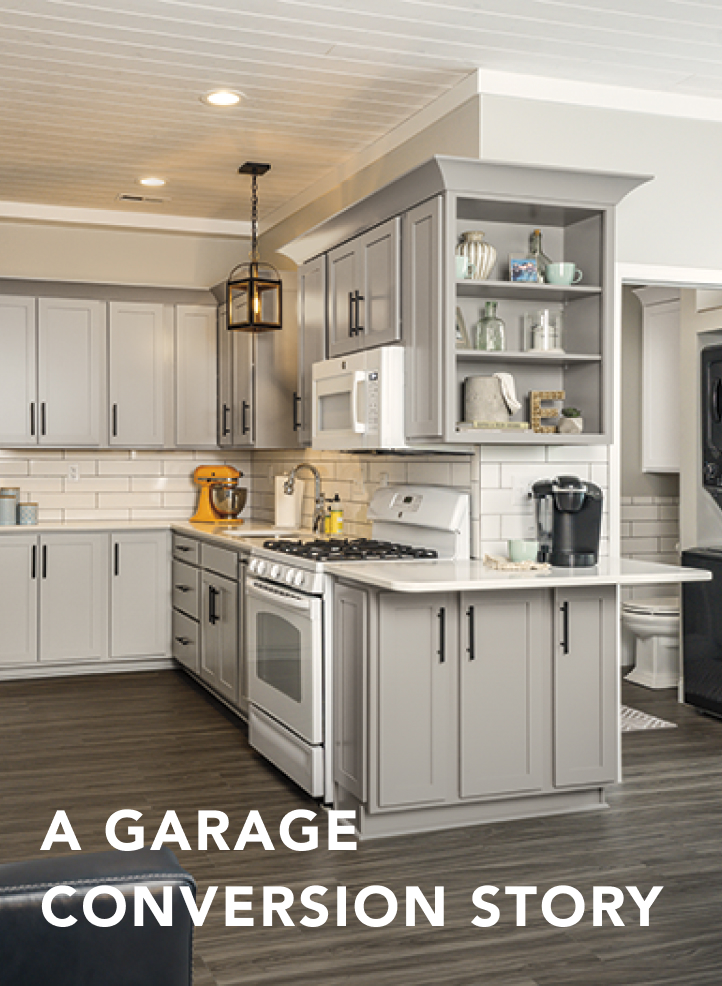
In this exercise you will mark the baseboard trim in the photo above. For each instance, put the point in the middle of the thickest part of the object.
(22, 672)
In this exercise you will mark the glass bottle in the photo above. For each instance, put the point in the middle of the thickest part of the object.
(490, 330)
(536, 253)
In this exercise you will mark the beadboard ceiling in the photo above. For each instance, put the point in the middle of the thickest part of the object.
(96, 95)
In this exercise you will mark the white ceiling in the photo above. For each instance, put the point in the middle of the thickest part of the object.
(95, 95)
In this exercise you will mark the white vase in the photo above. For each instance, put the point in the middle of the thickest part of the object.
(480, 255)
(571, 426)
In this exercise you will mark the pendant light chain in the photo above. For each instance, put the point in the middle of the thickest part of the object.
(254, 216)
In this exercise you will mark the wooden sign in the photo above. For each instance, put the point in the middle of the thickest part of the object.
(538, 413)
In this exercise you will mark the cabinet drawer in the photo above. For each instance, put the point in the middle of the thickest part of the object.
(219, 560)
(186, 641)
(186, 549)
(186, 589)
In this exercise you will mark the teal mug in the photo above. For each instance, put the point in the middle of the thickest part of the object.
(562, 273)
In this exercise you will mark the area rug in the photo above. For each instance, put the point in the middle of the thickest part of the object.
(631, 720)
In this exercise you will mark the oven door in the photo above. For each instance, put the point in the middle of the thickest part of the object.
(285, 657)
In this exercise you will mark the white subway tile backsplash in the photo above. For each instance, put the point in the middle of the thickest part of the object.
(60, 467)
(11, 468)
(98, 484)
(433, 473)
(134, 467)
(634, 512)
(67, 501)
(577, 453)
(161, 484)
(490, 474)
(130, 500)
(490, 527)
(512, 453)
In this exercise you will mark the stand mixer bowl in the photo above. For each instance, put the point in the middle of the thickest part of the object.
(228, 500)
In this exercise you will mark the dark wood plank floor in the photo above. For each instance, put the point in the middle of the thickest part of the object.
(155, 741)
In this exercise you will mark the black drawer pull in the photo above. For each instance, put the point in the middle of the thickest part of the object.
(183, 588)
(225, 430)
(245, 408)
(43, 421)
(565, 627)
(45, 561)
(182, 547)
(470, 649)
(442, 635)
(116, 561)
(32, 418)
(33, 561)
(184, 641)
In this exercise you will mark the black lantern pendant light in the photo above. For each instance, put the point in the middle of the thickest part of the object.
(254, 288)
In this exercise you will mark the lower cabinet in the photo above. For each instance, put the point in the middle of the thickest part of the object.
(207, 635)
(486, 696)
(219, 635)
(139, 594)
(79, 597)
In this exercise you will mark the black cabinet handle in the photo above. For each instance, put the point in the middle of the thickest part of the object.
(45, 561)
(470, 649)
(182, 588)
(442, 635)
(33, 561)
(212, 614)
(115, 420)
(184, 641)
(182, 547)
(116, 558)
(296, 419)
(245, 407)
(42, 418)
(359, 328)
(351, 299)
(565, 627)
(225, 430)
(32, 418)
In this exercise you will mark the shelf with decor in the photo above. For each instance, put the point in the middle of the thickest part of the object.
(524, 291)
(507, 356)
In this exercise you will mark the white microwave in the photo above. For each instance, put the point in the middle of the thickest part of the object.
(358, 401)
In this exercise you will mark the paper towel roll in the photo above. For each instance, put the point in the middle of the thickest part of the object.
(288, 506)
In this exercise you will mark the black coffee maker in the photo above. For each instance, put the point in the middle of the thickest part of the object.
(568, 521)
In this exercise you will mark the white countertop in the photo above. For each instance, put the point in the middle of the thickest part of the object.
(248, 529)
(460, 576)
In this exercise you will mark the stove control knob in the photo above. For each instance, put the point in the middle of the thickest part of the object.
(253, 564)
(290, 575)
(710, 472)
(261, 567)
(275, 571)
(299, 578)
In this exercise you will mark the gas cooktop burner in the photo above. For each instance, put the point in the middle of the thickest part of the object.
(345, 549)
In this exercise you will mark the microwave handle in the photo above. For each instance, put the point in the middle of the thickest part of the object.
(358, 426)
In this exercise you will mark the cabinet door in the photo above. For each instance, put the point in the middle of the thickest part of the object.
(73, 597)
(137, 361)
(586, 713)
(417, 663)
(219, 635)
(244, 403)
(71, 372)
(195, 376)
(343, 283)
(350, 648)
(225, 381)
(379, 317)
(311, 340)
(504, 663)
(18, 599)
(139, 594)
(423, 320)
(18, 407)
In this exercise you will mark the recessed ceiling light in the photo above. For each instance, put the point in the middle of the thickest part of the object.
(222, 97)
(152, 182)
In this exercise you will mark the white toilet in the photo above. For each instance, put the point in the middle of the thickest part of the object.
(651, 627)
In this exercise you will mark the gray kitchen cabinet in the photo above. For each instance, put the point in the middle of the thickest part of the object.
(350, 648)
(311, 341)
(139, 594)
(585, 686)
(186, 641)
(71, 372)
(414, 698)
(504, 666)
(139, 351)
(18, 599)
(73, 577)
(256, 385)
(219, 663)
(196, 362)
(364, 283)
(18, 372)
(423, 294)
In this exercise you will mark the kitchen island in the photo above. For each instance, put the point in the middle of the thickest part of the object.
(466, 695)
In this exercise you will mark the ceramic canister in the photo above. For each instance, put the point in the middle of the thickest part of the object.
(27, 513)
(8, 509)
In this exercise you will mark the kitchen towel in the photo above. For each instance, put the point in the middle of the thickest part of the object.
(288, 506)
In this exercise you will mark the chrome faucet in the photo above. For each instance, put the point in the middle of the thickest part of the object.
(319, 510)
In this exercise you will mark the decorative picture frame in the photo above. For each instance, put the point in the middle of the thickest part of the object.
(462, 336)
(523, 269)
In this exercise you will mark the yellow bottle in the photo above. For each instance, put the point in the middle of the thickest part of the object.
(335, 516)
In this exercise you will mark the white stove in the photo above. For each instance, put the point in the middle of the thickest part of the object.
(289, 590)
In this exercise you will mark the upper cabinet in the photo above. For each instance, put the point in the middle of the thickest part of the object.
(399, 244)
(311, 341)
(196, 362)
(138, 357)
(52, 372)
(364, 286)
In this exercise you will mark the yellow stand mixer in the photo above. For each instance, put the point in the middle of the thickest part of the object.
(221, 499)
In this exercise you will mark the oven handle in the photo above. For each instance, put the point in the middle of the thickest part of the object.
(280, 596)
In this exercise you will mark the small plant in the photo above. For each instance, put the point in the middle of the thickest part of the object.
(571, 412)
